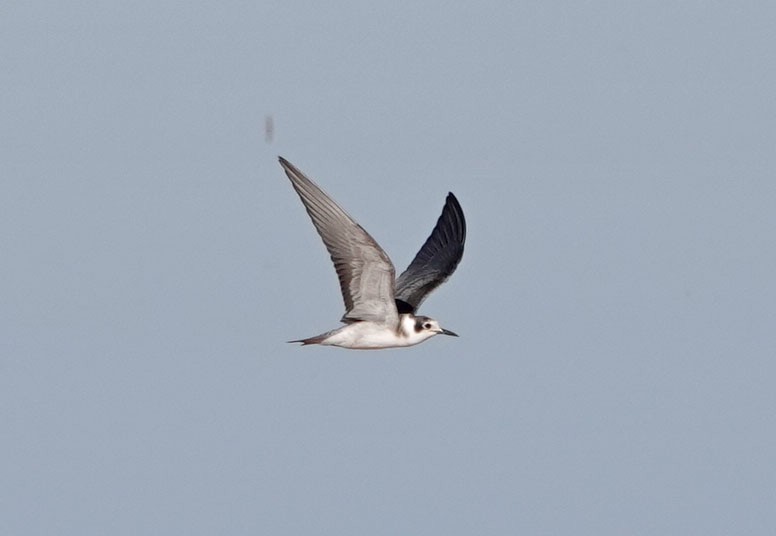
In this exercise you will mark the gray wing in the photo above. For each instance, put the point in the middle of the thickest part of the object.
(365, 272)
(436, 261)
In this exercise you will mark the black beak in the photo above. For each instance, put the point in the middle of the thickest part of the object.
(448, 332)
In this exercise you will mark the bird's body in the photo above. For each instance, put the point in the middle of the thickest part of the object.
(365, 335)
(380, 309)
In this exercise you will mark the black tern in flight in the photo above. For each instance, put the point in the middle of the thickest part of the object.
(380, 309)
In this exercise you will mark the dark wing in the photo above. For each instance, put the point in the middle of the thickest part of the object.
(365, 272)
(436, 261)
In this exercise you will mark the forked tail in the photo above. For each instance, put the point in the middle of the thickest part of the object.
(318, 339)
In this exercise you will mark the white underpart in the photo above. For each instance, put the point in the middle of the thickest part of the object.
(372, 335)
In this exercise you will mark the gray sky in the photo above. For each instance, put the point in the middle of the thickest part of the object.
(615, 369)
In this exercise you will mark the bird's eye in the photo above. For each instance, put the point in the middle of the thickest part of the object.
(427, 325)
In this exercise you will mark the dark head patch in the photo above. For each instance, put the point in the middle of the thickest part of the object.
(419, 321)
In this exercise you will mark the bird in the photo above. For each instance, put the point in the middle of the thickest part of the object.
(380, 309)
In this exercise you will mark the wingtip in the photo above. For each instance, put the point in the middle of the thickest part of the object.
(287, 166)
(452, 203)
(452, 200)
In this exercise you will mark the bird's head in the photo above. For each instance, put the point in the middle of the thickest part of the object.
(420, 328)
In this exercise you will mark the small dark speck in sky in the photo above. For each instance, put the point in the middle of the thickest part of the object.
(269, 128)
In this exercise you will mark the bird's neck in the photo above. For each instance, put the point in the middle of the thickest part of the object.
(406, 325)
